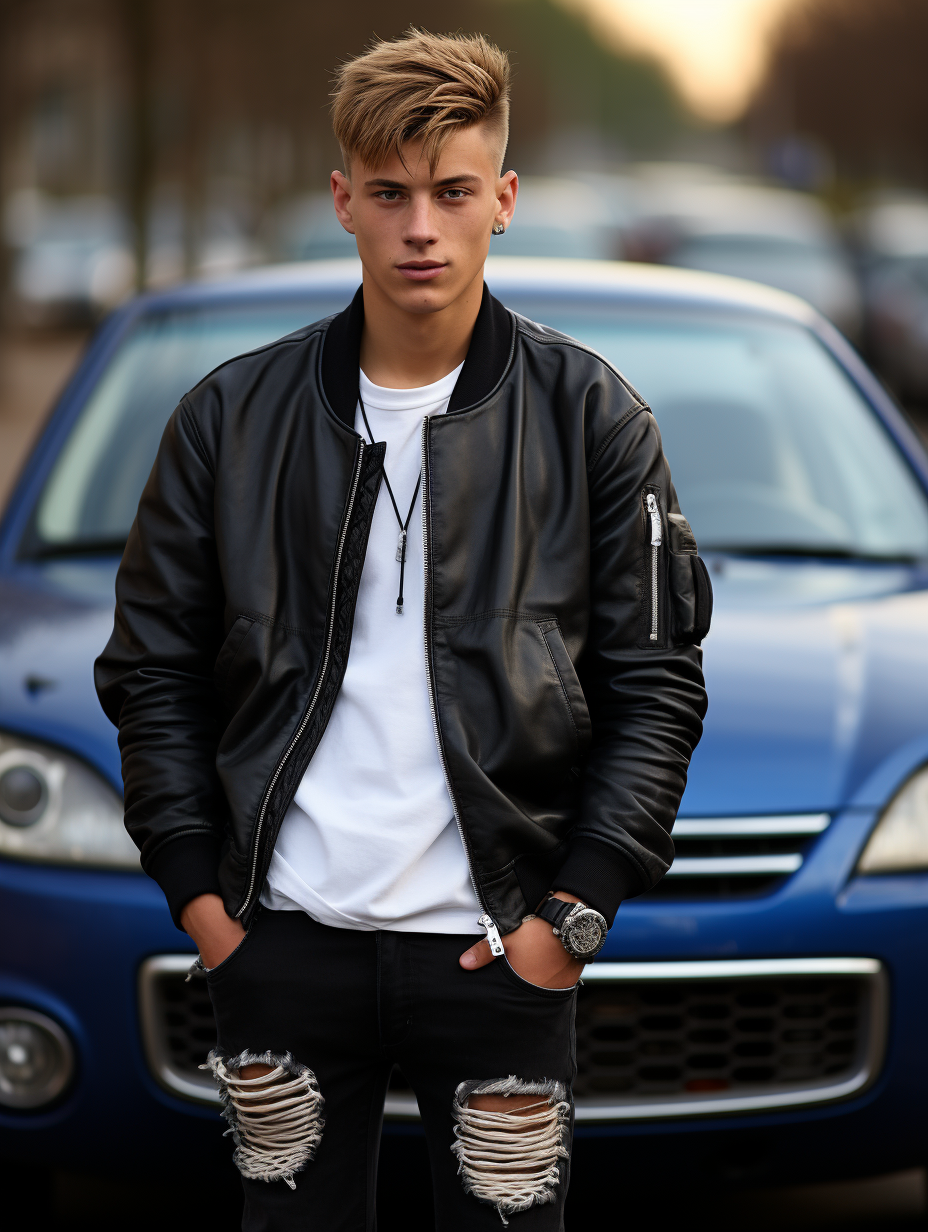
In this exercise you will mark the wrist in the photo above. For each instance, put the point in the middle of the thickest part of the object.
(205, 921)
(579, 928)
(204, 909)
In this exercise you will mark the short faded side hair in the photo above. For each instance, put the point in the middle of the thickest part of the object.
(420, 87)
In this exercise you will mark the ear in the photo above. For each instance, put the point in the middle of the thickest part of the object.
(341, 194)
(507, 189)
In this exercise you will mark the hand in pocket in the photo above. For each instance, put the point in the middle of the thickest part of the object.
(534, 953)
(213, 932)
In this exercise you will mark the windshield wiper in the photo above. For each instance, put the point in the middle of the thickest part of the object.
(114, 546)
(810, 551)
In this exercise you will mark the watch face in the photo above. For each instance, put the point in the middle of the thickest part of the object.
(585, 933)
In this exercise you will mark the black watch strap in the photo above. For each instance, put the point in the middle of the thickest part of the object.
(555, 911)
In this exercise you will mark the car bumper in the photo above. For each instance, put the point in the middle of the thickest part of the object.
(74, 944)
(70, 944)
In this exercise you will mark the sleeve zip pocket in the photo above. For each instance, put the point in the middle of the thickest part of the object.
(690, 585)
(657, 539)
(676, 607)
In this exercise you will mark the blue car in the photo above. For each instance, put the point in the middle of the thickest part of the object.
(760, 1013)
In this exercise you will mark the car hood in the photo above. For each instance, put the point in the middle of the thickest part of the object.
(816, 673)
(54, 621)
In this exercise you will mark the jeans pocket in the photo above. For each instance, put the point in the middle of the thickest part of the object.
(221, 968)
(513, 976)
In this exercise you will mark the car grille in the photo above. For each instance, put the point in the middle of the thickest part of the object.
(660, 1038)
(736, 857)
(653, 1039)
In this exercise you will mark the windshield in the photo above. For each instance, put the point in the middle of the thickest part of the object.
(752, 246)
(774, 261)
(772, 448)
(91, 496)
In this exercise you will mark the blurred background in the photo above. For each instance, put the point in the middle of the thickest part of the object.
(143, 143)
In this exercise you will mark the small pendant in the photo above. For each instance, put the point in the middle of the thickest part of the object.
(401, 547)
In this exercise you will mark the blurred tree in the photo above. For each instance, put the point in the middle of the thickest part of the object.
(138, 21)
(224, 103)
(852, 75)
(566, 78)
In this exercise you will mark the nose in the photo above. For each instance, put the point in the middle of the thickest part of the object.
(420, 230)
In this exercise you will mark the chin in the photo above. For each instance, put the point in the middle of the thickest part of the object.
(419, 297)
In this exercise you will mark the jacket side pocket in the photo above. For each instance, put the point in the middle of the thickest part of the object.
(229, 649)
(690, 585)
(570, 684)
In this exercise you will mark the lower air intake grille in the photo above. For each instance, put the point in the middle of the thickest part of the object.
(178, 1027)
(673, 1039)
(654, 1040)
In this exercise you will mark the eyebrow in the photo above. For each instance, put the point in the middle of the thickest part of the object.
(445, 183)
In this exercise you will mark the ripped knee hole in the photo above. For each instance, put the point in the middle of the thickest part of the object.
(511, 1157)
(275, 1119)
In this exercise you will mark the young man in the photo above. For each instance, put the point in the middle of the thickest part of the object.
(400, 724)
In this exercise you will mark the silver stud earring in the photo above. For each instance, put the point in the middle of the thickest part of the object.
(498, 228)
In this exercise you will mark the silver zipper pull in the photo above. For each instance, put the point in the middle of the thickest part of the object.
(493, 937)
(401, 547)
(657, 536)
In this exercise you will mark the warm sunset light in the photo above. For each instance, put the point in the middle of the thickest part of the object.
(714, 49)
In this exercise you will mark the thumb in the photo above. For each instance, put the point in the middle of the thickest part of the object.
(477, 956)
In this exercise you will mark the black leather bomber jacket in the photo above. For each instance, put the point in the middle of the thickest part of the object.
(564, 605)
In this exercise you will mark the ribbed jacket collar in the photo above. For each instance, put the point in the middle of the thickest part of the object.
(487, 356)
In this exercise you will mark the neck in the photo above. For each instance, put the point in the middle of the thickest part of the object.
(405, 350)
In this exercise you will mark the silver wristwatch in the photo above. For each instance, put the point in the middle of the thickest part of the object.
(581, 930)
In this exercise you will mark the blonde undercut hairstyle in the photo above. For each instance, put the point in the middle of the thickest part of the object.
(420, 87)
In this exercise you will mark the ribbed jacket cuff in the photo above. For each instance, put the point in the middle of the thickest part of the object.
(599, 874)
(184, 868)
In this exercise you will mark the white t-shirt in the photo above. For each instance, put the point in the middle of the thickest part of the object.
(370, 841)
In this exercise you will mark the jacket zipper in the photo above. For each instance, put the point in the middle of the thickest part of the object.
(486, 921)
(656, 541)
(319, 683)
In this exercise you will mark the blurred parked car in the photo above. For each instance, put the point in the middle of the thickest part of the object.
(781, 238)
(555, 218)
(761, 1012)
(564, 218)
(306, 229)
(893, 234)
(72, 259)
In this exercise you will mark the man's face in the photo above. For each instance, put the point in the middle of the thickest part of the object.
(423, 238)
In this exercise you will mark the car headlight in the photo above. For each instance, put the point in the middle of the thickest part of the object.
(56, 809)
(36, 1059)
(899, 843)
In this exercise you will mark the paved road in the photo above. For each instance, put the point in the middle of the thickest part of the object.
(33, 368)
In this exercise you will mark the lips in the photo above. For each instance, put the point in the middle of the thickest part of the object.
(421, 271)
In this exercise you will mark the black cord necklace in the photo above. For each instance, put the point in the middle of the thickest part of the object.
(404, 526)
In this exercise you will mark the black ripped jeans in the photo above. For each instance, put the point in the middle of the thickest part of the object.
(349, 1005)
